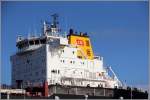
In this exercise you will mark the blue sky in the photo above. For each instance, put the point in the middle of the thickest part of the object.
(119, 32)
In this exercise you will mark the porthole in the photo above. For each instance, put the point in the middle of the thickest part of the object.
(73, 52)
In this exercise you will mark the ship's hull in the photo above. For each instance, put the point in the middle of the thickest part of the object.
(74, 92)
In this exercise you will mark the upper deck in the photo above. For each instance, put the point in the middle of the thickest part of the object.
(49, 32)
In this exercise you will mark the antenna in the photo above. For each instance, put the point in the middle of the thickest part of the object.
(45, 28)
(35, 32)
(29, 32)
(66, 24)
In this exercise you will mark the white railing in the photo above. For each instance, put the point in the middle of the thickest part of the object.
(21, 91)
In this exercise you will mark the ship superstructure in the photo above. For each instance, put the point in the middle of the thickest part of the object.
(58, 58)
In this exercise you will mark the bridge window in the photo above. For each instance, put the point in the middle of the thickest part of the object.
(20, 46)
(43, 41)
(36, 41)
(31, 42)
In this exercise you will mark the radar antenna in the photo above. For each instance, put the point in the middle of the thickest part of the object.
(55, 21)
(52, 28)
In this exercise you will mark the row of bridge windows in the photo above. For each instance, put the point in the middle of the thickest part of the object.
(31, 42)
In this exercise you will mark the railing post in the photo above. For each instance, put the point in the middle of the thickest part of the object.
(131, 92)
(56, 97)
(55, 89)
(94, 91)
(86, 97)
(8, 95)
(104, 91)
(76, 90)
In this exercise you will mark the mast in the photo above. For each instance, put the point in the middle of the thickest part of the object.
(55, 21)
(51, 28)
(54, 26)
